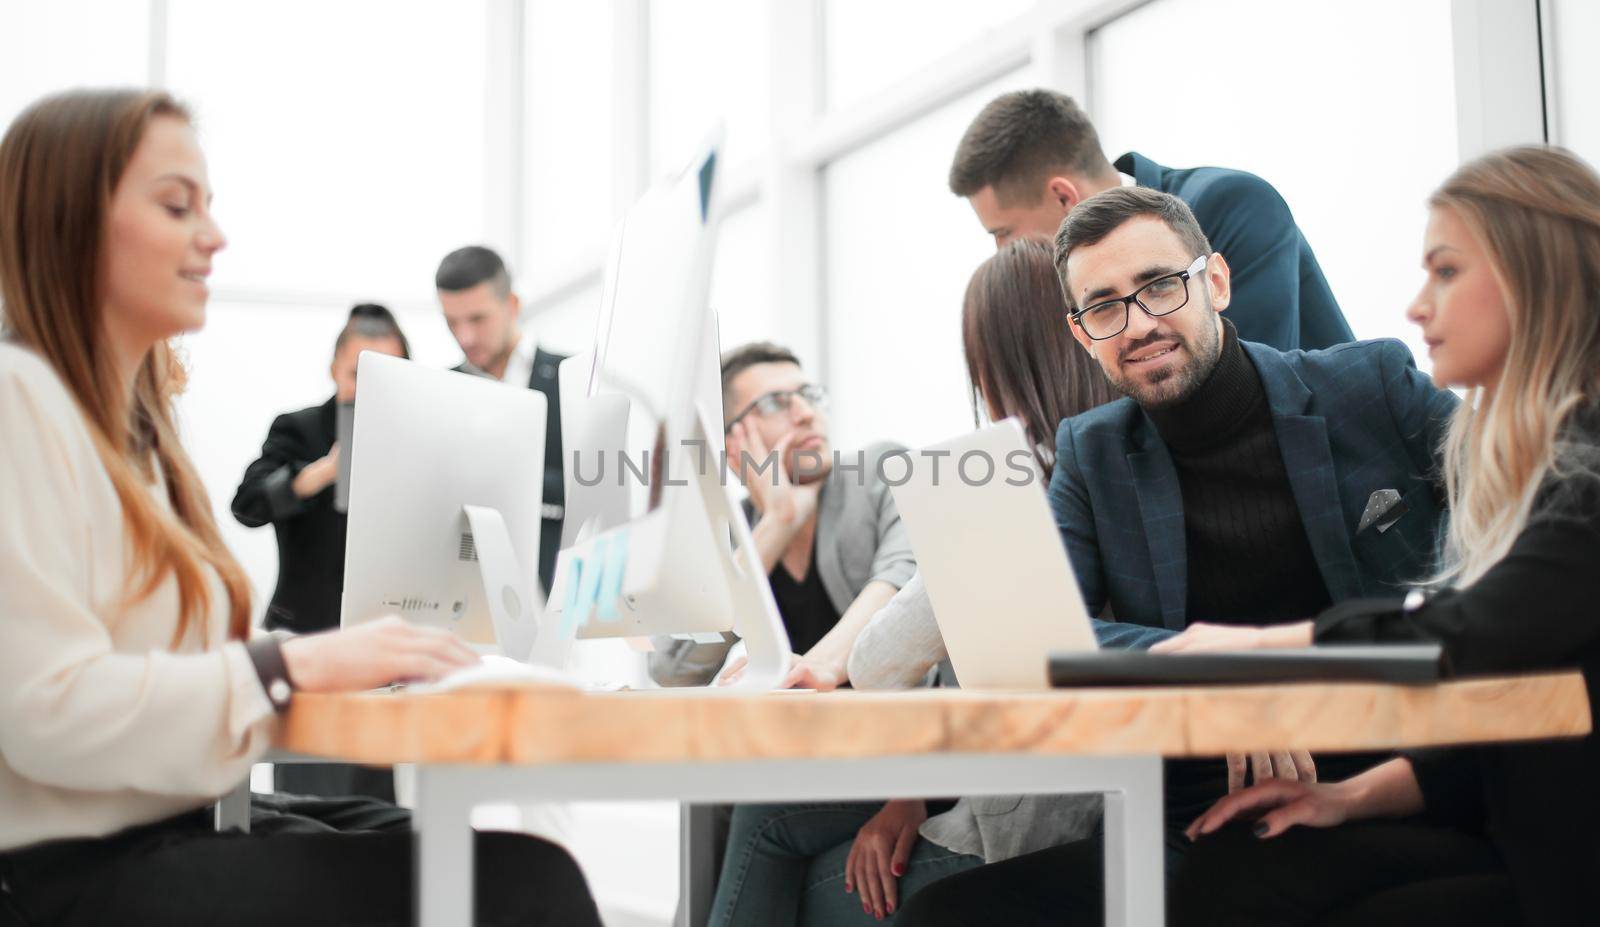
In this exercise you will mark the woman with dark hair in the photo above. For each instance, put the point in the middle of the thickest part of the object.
(291, 486)
(1021, 360)
(132, 693)
(858, 862)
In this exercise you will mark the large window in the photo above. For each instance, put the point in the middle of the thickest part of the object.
(742, 279)
(350, 136)
(870, 46)
(1573, 75)
(708, 63)
(50, 45)
(899, 251)
(568, 156)
(1348, 109)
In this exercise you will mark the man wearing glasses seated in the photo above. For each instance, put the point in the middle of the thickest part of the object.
(1235, 484)
(835, 551)
(829, 537)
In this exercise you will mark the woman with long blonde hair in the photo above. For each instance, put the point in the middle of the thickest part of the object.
(1490, 835)
(132, 694)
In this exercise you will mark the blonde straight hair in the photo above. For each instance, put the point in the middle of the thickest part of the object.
(1536, 210)
(59, 165)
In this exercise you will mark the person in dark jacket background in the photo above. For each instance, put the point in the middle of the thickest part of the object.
(1031, 156)
(291, 486)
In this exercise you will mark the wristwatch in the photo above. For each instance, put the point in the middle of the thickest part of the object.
(266, 655)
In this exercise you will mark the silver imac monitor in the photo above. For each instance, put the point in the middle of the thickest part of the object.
(444, 516)
(682, 562)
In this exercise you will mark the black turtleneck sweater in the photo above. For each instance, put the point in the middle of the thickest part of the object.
(1249, 559)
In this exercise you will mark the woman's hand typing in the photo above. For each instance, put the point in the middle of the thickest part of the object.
(371, 655)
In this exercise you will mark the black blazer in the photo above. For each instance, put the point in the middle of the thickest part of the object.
(546, 365)
(310, 532)
(1537, 609)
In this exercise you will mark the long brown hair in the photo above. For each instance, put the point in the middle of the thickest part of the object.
(1536, 210)
(1021, 359)
(59, 164)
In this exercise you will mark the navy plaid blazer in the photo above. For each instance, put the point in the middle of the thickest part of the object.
(1350, 420)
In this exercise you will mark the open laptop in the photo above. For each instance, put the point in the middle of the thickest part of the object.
(1002, 589)
(1008, 603)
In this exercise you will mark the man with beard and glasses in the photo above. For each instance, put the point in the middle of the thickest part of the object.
(1234, 483)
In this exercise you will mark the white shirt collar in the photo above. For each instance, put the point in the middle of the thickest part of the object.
(1127, 180)
(519, 367)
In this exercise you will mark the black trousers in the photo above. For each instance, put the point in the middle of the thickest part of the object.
(318, 863)
(1063, 886)
(333, 780)
(1362, 874)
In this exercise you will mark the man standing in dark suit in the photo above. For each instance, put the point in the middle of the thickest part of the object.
(482, 312)
(1030, 156)
(1235, 484)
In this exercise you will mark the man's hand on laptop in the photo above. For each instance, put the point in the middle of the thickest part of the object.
(1203, 636)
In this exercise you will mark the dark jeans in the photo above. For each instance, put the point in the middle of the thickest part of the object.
(1363, 874)
(1063, 886)
(318, 863)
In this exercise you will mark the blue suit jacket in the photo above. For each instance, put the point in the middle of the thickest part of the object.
(1280, 297)
(1350, 420)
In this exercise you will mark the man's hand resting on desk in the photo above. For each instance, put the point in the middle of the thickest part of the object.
(372, 654)
(878, 857)
(803, 673)
(1200, 637)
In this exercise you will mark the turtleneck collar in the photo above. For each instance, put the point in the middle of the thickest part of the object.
(1230, 397)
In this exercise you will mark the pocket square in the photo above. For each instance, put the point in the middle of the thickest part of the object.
(1384, 508)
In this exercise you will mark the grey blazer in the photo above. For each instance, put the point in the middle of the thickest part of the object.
(897, 650)
(860, 538)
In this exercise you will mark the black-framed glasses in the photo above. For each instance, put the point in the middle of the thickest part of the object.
(1161, 296)
(779, 401)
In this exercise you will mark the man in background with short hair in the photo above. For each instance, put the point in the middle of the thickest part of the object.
(1032, 155)
(482, 313)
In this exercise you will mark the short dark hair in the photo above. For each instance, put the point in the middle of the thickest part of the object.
(1020, 139)
(465, 268)
(1098, 216)
(370, 320)
(737, 360)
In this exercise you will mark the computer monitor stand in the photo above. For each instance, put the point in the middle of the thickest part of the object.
(700, 569)
(756, 619)
(513, 610)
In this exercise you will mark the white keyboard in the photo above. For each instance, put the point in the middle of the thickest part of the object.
(500, 672)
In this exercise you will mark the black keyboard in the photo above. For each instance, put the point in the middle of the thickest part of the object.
(1407, 664)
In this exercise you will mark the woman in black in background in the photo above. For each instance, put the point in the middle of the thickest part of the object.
(291, 485)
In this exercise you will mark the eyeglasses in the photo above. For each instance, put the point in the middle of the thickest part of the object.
(1161, 296)
(779, 400)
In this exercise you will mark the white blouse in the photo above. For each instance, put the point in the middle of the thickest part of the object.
(102, 725)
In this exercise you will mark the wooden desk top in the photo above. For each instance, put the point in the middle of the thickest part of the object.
(523, 725)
